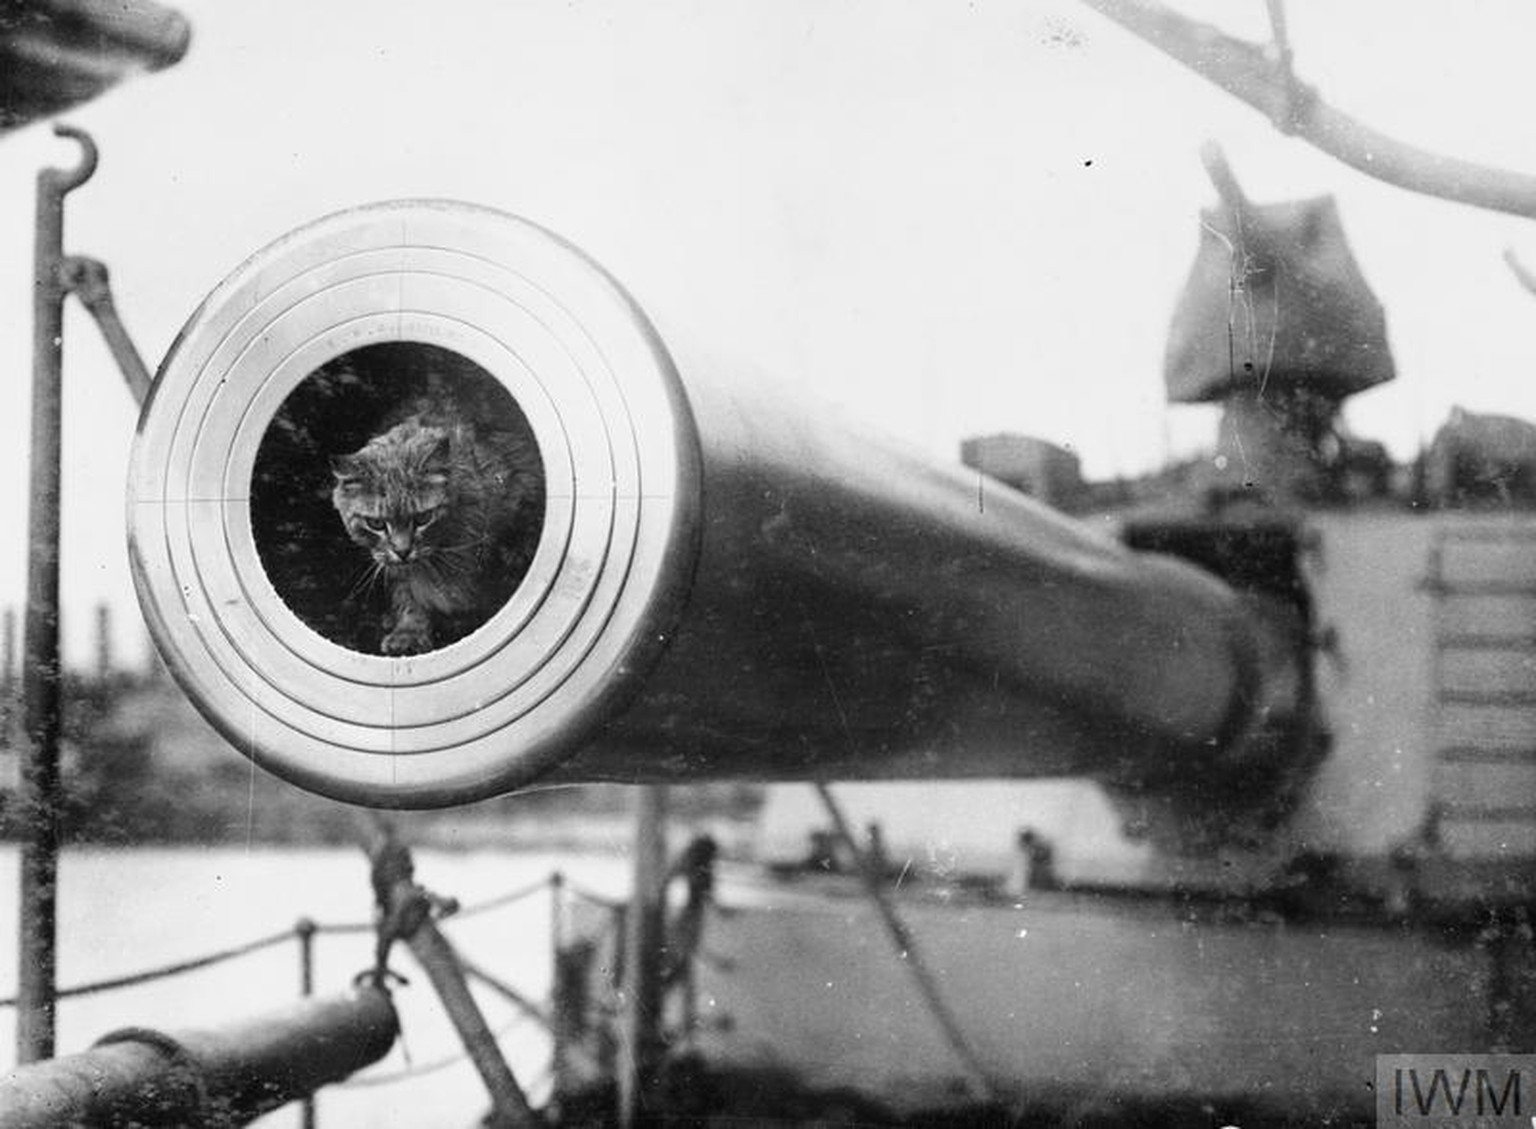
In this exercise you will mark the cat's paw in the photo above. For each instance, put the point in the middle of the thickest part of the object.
(407, 640)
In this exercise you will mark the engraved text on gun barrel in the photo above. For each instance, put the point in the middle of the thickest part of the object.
(423, 509)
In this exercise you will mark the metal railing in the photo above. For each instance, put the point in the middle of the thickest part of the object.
(305, 931)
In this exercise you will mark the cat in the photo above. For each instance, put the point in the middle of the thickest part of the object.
(448, 514)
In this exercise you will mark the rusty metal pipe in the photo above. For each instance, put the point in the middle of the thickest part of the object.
(215, 1077)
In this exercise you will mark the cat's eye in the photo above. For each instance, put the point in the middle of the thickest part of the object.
(426, 519)
(374, 524)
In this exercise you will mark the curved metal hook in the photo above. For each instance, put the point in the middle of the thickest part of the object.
(66, 180)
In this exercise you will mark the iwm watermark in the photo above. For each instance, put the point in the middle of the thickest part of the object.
(1455, 1091)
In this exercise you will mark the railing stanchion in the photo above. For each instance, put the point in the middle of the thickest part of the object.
(304, 929)
(558, 1031)
(640, 1042)
(41, 798)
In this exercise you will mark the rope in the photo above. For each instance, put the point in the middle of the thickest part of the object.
(522, 892)
(363, 1081)
(507, 992)
(333, 929)
(943, 1016)
(168, 969)
(338, 929)
(501, 900)
(529, 1009)
(592, 897)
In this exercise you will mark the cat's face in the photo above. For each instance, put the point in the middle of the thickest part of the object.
(394, 495)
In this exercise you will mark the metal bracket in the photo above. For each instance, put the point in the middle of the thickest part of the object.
(87, 280)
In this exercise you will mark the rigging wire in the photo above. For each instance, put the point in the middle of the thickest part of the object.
(417, 1070)
(266, 941)
(165, 970)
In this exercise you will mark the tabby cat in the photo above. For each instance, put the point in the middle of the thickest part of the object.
(448, 515)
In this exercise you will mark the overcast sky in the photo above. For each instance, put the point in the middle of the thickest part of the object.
(956, 217)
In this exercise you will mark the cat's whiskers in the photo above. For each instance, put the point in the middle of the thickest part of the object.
(368, 576)
(452, 569)
(446, 566)
(466, 552)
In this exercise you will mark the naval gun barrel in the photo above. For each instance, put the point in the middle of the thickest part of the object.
(725, 579)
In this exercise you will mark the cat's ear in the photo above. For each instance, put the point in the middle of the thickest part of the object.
(345, 469)
(441, 454)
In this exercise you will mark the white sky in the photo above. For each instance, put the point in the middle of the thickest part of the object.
(889, 199)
